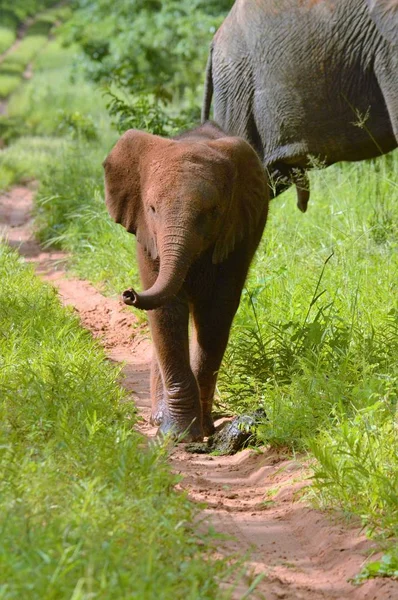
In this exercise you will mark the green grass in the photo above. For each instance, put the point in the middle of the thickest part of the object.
(74, 217)
(15, 63)
(321, 336)
(16, 11)
(357, 465)
(315, 341)
(7, 37)
(8, 83)
(58, 101)
(86, 508)
(356, 470)
(28, 158)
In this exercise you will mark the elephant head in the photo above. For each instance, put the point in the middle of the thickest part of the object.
(182, 197)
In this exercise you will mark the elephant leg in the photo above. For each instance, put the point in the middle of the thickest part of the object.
(212, 321)
(178, 409)
(386, 73)
(174, 390)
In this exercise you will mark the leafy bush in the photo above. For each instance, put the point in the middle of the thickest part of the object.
(77, 125)
(143, 109)
(150, 55)
(163, 42)
(15, 11)
(387, 566)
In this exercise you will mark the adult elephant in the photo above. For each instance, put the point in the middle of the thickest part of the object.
(307, 81)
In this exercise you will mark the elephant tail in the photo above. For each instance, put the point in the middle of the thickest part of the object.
(208, 94)
(302, 183)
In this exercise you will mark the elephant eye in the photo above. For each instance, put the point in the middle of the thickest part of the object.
(152, 209)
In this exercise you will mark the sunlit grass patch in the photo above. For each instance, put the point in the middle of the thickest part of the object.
(15, 63)
(7, 37)
(18, 60)
(51, 105)
(28, 158)
(86, 508)
(315, 342)
(357, 466)
(71, 213)
(307, 332)
(56, 56)
(8, 84)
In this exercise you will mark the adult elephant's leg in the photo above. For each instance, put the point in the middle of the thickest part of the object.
(213, 317)
(179, 409)
(386, 68)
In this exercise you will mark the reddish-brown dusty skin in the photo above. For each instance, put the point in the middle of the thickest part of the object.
(254, 498)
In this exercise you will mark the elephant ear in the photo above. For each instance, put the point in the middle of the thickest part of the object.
(385, 15)
(125, 167)
(245, 193)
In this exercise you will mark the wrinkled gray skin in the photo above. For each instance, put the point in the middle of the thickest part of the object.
(305, 79)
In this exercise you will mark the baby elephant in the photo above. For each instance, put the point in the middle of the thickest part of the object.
(197, 204)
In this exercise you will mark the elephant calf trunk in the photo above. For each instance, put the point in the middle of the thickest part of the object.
(142, 301)
(173, 269)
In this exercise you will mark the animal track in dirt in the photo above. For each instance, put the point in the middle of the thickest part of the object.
(254, 498)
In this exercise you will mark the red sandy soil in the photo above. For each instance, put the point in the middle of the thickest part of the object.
(254, 498)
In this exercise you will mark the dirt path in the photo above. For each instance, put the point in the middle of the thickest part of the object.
(253, 497)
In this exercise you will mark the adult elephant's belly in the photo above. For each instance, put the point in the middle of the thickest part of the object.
(327, 121)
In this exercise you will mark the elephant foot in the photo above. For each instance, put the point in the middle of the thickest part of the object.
(180, 431)
(157, 417)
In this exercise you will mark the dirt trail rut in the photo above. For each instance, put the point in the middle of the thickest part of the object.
(255, 498)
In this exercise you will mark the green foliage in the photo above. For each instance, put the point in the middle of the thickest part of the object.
(71, 213)
(15, 63)
(85, 509)
(150, 55)
(8, 83)
(159, 41)
(52, 105)
(35, 38)
(27, 159)
(387, 566)
(7, 36)
(77, 125)
(357, 466)
(15, 11)
(143, 109)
